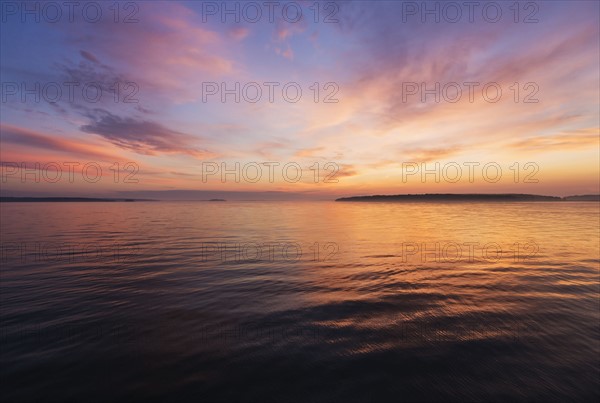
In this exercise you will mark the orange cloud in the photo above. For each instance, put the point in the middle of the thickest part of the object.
(577, 139)
(29, 139)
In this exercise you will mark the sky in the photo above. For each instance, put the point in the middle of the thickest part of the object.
(305, 100)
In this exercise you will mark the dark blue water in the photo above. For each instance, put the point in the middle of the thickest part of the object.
(326, 301)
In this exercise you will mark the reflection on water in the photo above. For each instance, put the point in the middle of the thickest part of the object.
(299, 301)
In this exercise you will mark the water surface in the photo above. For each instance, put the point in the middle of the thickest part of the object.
(304, 301)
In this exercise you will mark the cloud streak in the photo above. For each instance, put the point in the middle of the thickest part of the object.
(143, 137)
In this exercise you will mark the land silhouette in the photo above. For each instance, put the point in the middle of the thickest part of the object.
(426, 197)
(480, 197)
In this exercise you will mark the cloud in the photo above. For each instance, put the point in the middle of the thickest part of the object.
(89, 56)
(142, 136)
(93, 74)
(288, 54)
(166, 51)
(430, 154)
(285, 29)
(283, 33)
(239, 33)
(308, 152)
(28, 139)
(583, 138)
(272, 148)
(346, 170)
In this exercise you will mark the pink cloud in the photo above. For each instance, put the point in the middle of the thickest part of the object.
(17, 138)
(239, 33)
(166, 51)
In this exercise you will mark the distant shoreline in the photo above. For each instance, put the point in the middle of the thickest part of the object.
(64, 199)
(80, 200)
(427, 197)
(457, 197)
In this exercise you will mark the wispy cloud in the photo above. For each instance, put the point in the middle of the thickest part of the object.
(578, 139)
(46, 143)
(143, 137)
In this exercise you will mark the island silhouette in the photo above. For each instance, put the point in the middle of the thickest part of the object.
(480, 197)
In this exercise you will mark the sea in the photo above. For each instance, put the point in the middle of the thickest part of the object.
(303, 301)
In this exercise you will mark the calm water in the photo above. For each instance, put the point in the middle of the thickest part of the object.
(309, 301)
